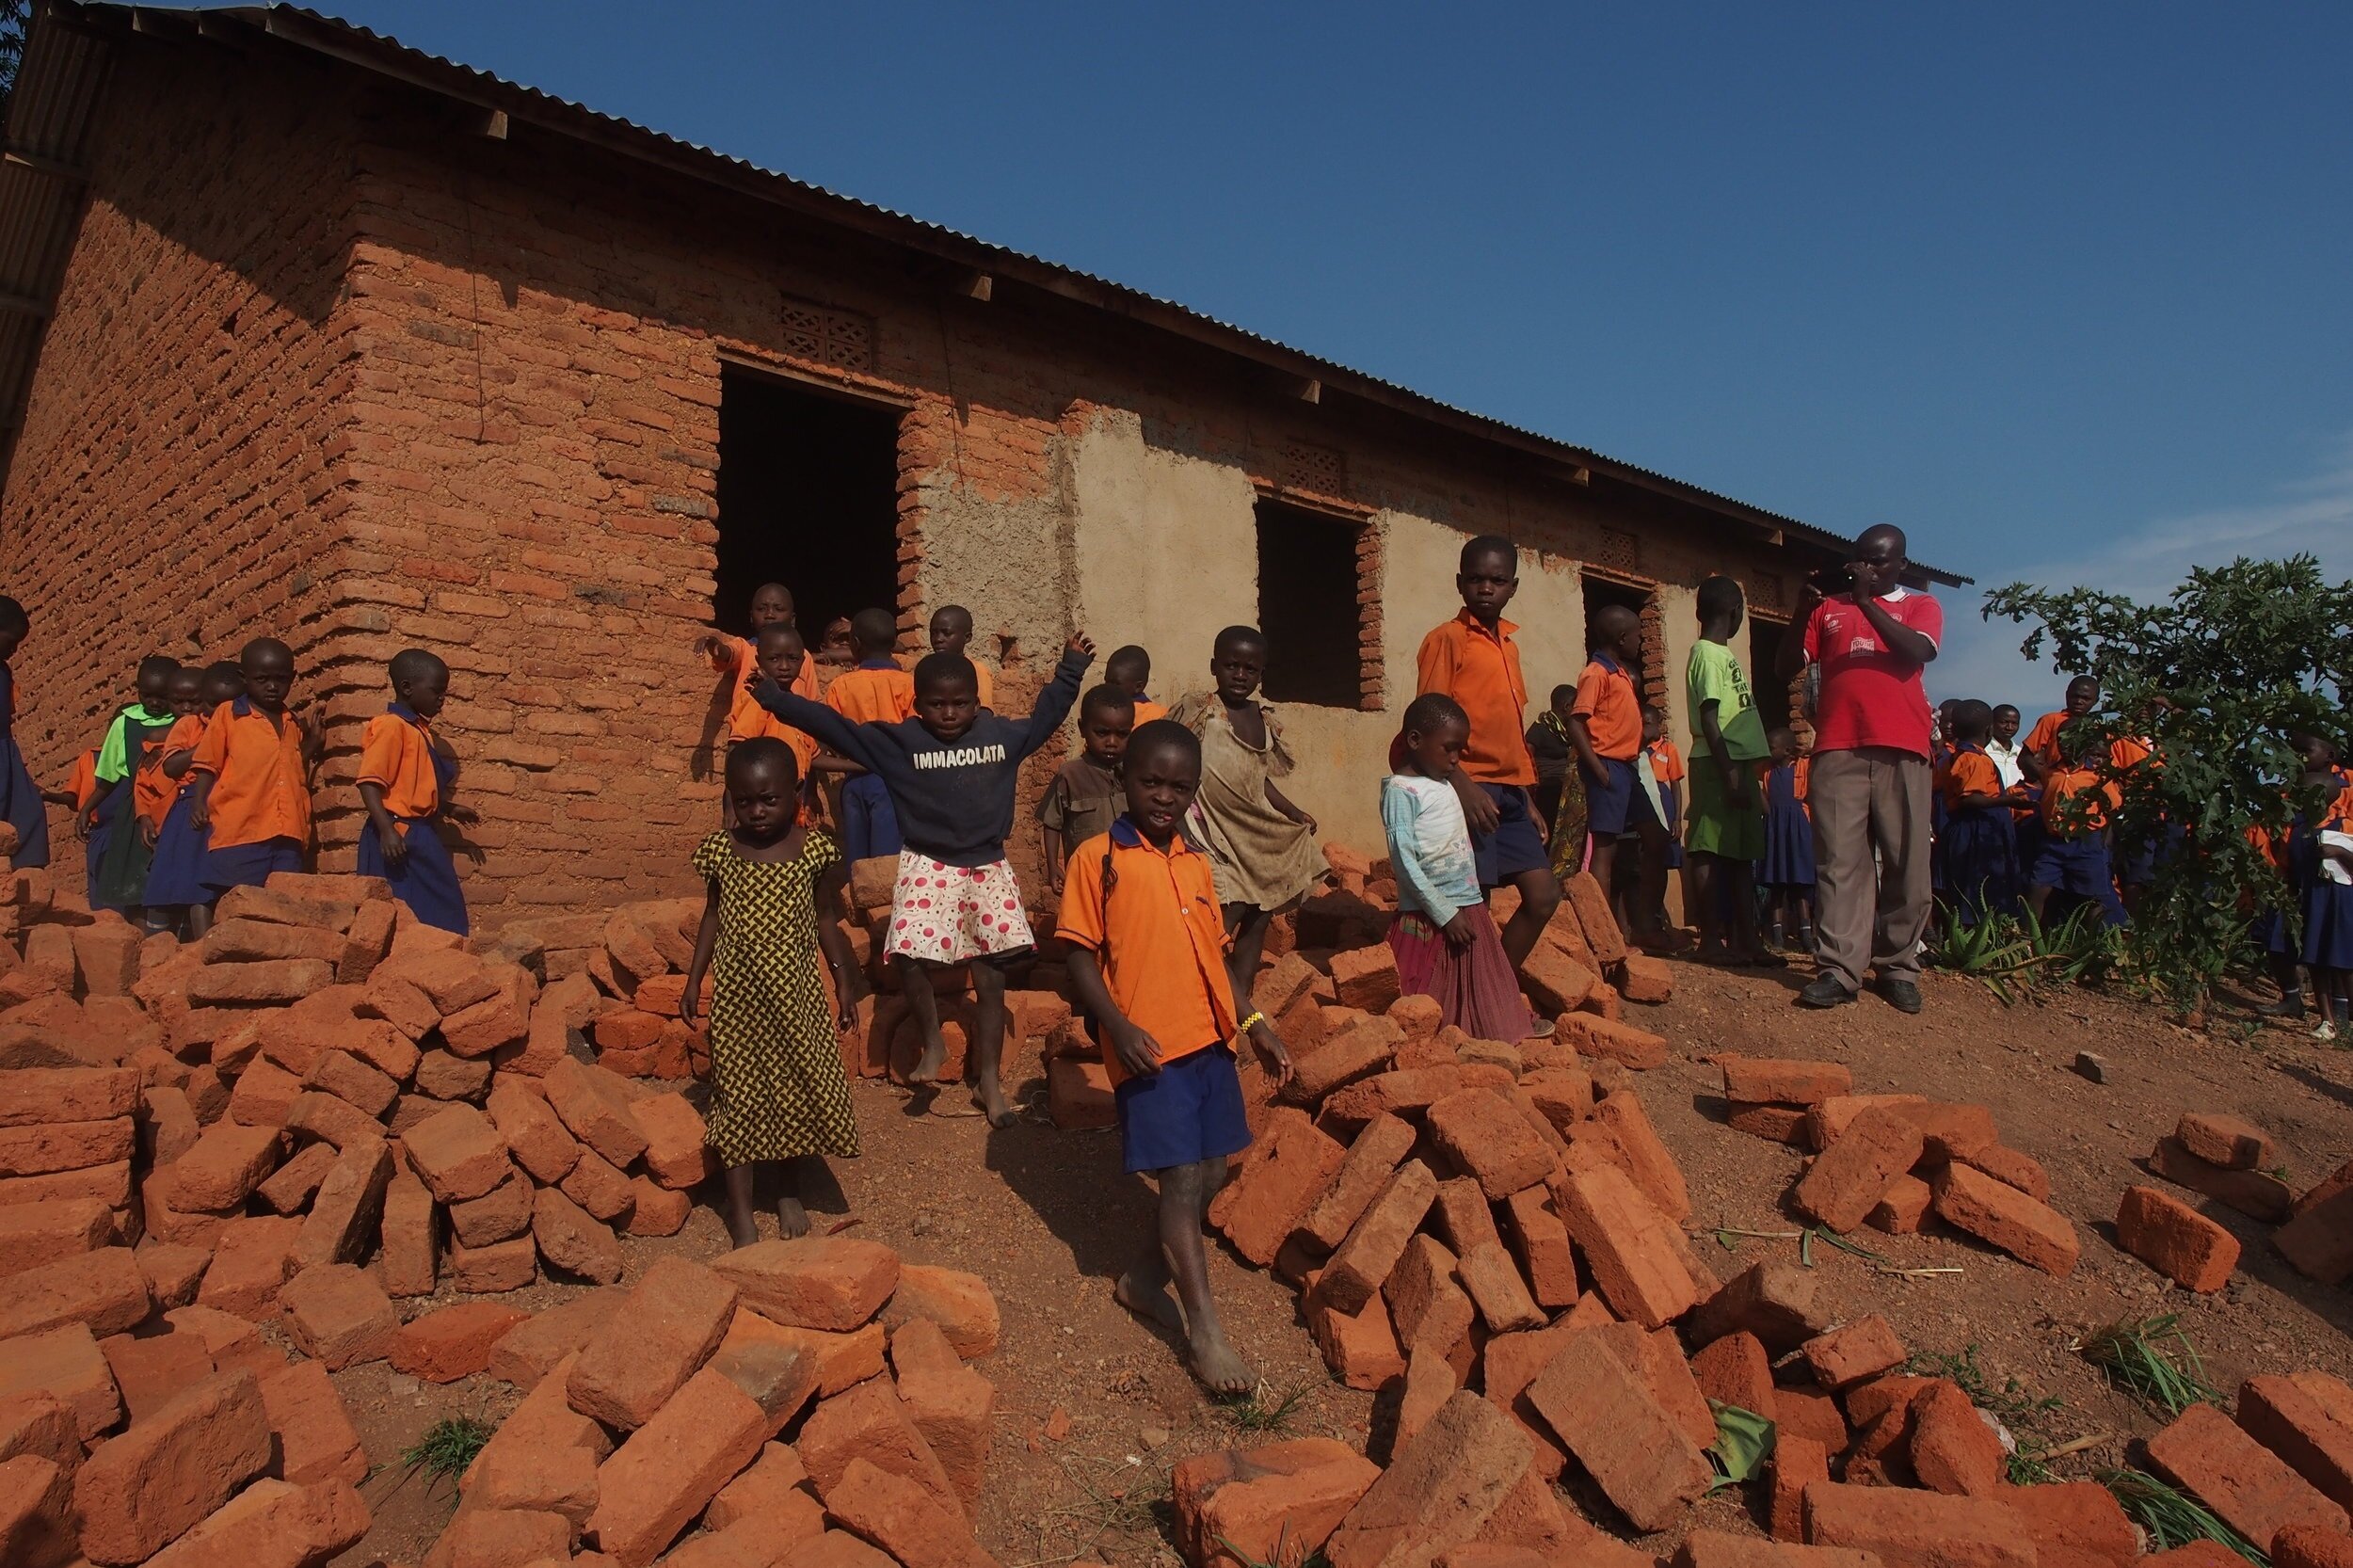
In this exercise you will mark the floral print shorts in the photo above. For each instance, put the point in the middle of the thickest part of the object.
(951, 914)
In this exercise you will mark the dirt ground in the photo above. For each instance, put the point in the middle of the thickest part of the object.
(1047, 1220)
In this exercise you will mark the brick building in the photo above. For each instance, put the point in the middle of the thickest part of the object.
(305, 332)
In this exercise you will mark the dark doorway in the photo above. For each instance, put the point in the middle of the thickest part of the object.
(1308, 607)
(1771, 690)
(1602, 590)
(809, 498)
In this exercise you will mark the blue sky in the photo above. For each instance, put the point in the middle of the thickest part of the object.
(2063, 290)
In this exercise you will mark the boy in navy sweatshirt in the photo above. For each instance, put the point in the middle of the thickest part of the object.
(951, 771)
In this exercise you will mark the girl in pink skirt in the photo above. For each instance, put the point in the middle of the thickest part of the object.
(1447, 944)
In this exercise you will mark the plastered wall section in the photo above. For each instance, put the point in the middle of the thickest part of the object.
(173, 486)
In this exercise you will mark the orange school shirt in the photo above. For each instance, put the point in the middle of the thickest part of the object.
(737, 657)
(152, 788)
(750, 721)
(1970, 773)
(1160, 937)
(1612, 711)
(396, 756)
(1146, 710)
(2064, 783)
(1666, 762)
(83, 784)
(2043, 740)
(260, 787)
(876, 693)
(1480, 669)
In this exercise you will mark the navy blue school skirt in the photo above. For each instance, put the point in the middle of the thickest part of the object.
(248, 865)
(175, 878)
(21, 808)
(426, 880)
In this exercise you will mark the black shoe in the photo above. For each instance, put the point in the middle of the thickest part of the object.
(2291, 1006)
(1901, 995)
(1825, 992)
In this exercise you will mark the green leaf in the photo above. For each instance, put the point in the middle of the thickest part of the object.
(1744, 1441)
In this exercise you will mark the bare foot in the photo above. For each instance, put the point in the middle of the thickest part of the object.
(927, 1066)
(791, 1219)
(991, 1099)
(1221, 1371)
(1148, 1299)
(739, 1227)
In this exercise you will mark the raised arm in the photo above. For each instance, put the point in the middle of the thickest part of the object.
(816, 719)
(1053, 703)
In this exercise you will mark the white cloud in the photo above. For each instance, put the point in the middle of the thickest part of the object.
(2314, 514)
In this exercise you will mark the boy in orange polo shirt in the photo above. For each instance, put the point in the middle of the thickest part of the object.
(780, 656)
(1605, 731)
(772, 605)
(875, 691)
(2072, 857)
(253, 774)
(406, 771)
(1473, 659)
(1129, 669)
(1147, 960)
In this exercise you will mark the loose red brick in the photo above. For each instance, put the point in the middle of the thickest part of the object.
(1953, 1451)
(1364, 1172)
(444, 1076)
(2309, 1546)
(1404, 1093)
(103, 1290)
(2319, 1240)
(1952, 1131)
(1855, 1170)
(2021, 1171)
(500, 1266)
(147, 1487)
(66, 1364)
(1669, 1374)
(655, 1210)
(1778, 1123)
(2002, 1216)
(1494, 1283)
(593, 1105)
(1607, 1417)
(1426, 1304)
(1782, 1081)
(532, 1133)
(1365, 978)
(502, 1537)
(346, 1210)
(1374, 1244)
(1078, 1095)
(1606, 1039)
(1853, 1352)
(1652, 1167)
(1464, 1218)
(1637, 1269)
(453, 1342)
(251, 1263)
(152, 1371)
(1556, 981)
(1718, 1549)
(870, 1424)
(1440, 1492)
(830, 1283)
(550, 1477)
(279, 981)
(843, 1360)
(1645, 979)
(33, 1233)
(273, 1521)
(2175, 1239)
(1799, 1462)
(499, 1021)
(245, 940)
(1287, 1169)
(1542, 1241)
(901, 1519)
(499, 1214)
(1430, 1382)
(36, 1514)
(65, 1146)
(458, 1153)
(1735, 1371)
(1599, 927)
(2307, 1419)
(775, 1486)
(1263, 1507)
(2076, 1524)
(961, 1303)
(408, 1257)
(2251, 1193)
(2229, 1141)
(1826, 1120)
(545, 1418)
(951, 1404)
(1360, 1347)
(571, 1240)
(38, 1423)
(309, 1113)
(227, 1164)
(1488, 1140)
(288, 1188)
(676, 1155)
(316, 1440)
(599, 1187)
(2250, 1488)
(339, 1314)
(32, 1095)
(656, 1340)
(347, 1077)
(1918, 1530)
(1902, 1209)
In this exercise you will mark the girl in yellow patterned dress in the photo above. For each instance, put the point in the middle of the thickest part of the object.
(778, 1093)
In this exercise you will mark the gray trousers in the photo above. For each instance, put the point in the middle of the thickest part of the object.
(1866, 914)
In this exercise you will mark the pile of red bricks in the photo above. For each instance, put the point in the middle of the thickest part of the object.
(1892, 1160)
(806, 1398)
(322, 1081)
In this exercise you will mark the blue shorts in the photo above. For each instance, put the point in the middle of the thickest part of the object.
(870, 826)
(1515, 846)
(2079, 868)
(1188, 1112)
(1617, 801)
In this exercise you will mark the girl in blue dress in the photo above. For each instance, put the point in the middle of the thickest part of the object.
(1786, 877)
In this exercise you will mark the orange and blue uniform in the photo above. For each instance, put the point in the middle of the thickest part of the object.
(1479, 666)
(175, 877)
(876, 692)
(397, 754)
(20, 806)
(2072, 857)
(1150, 915)
(1977, 846)
(1612, 711)
(260, 805)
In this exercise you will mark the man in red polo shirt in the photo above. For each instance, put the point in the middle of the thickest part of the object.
(1869, 786)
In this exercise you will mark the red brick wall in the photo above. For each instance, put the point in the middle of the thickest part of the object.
(169, 490)
(466, 398)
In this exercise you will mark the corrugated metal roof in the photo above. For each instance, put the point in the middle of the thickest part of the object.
(386, 55)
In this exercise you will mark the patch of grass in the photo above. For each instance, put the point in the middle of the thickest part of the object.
(1130, 1500)
(448, 1446)
(1260, 1411)
(2152, 1360)
(2173, 1518)
(2026, 1416)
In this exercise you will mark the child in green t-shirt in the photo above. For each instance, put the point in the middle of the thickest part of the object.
(1726, 834)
